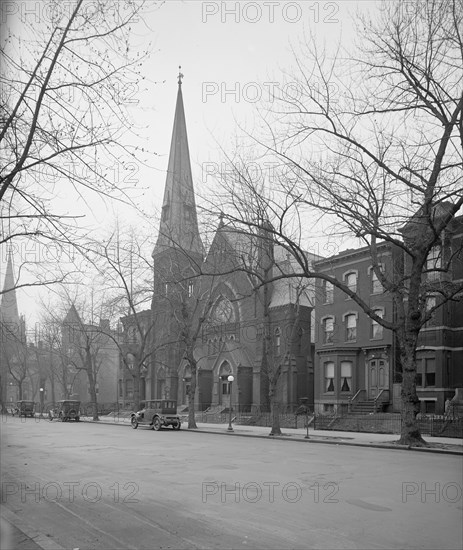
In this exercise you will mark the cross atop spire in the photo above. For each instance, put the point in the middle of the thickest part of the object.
(180, 75)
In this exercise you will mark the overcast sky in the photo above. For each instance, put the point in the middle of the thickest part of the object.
(230, 52)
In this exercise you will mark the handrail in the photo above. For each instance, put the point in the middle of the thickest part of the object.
(353, 399)
(377, 398)
(380, 394)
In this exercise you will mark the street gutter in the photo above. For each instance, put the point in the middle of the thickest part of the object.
(312, 439)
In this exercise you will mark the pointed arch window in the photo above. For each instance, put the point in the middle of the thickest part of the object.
(189, 212)
(277, 341)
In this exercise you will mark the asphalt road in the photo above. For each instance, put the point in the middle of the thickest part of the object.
(97, 486)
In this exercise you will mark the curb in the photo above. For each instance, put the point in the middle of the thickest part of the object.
(38, 539)
(344, 443)
(313, 439)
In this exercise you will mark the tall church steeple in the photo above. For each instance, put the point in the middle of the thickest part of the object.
(9, 305)
(178, 227)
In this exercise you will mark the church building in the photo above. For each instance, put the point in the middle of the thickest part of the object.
(206, 302)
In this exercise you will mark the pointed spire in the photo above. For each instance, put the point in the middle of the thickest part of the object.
(179, 225)
(9, 305)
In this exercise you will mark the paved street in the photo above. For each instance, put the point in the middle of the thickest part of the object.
(100, 486)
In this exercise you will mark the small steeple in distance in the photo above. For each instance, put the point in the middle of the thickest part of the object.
(9, 305)
(178, 227)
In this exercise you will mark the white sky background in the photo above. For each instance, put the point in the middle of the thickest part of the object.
(228, 49)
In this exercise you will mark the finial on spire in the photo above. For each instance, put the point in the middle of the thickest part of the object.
(180, 75)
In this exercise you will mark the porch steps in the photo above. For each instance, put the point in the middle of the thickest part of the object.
(364, 407)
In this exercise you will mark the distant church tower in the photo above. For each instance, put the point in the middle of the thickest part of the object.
(9, 305)
(177, 254)
(12, 326)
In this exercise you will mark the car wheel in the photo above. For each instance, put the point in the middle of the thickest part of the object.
(156, 423)
(177, 426)
(134, 423)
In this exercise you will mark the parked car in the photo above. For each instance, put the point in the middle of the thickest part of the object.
(67, 409)
(156, 414)
(24, 408)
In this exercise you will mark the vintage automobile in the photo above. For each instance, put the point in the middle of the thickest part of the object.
(156, 414)
(66, 409)
(24, 408)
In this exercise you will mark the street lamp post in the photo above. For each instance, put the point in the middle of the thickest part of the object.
(230, 380)
(41, 402)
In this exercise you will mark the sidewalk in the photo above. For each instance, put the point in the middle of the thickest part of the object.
(445, 445)
(16, 535)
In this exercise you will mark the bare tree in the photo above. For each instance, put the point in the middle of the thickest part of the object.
(191, 303)
(15, 355)
(59, 371)
(379, 157)
(68, 79)
(126, 273)
(83, 343)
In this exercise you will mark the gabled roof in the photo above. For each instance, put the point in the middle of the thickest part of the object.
(72, 317)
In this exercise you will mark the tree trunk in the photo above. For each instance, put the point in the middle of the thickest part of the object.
(136, 389)
(52, 387)
(91, 383)
(410, 432)
(274, 412)
(191, 399)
